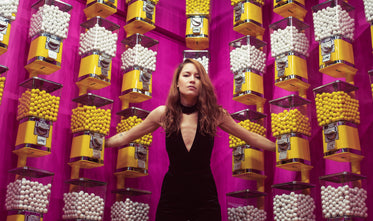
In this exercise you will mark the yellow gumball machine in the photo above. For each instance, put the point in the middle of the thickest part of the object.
(28, 196)
(37, 110)
(335, 34)
(7, 15)
(48, 28)
(102, 8)
(97, 48)
(85, 199)
(203, 56)
(247, 62)
(287, 8)
(338, 113)
(197, 25)
(298, 196)
(197, 32)
(132, 158)
(246, 200)
(90, 123)
(139, 199)
(140, 16)
(291, 127)
(247, 17)
(4, 34)
(369, 18)
(3, 71)
(290, 45)
(138, 63)
(347, 195)
(248, 161)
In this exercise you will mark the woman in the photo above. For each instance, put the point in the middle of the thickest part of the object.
(190, 119)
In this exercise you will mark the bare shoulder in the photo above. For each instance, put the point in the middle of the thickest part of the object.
(157, 114)
(160, 110)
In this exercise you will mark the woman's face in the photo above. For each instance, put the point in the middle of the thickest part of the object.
(189, 82)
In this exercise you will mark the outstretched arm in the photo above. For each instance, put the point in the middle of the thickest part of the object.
(230, 126)
(150, 124)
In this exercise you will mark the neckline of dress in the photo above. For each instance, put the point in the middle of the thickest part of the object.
(194, 139)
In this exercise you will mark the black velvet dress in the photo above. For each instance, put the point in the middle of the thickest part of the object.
(188, 189)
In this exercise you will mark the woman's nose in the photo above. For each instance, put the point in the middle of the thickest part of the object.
(192, 78)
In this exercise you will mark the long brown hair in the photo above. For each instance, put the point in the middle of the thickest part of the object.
(209, 110)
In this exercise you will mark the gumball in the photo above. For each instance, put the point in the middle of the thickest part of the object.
(51, 20)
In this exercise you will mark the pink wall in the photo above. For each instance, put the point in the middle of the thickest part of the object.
(170, 19)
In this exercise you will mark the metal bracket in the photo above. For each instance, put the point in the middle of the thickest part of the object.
(145, 78)
(52, 44)
(284, 145)
(140, 155)
(239, 156)
(149, 9)
(196, 24)
(327, 47)
(239, 80)
(281, 64)
(238, 10)
(53, 47)
(331, 135)
(32, 218)
(3, 27)
(104, 63)
(41, 130)
(96, 143)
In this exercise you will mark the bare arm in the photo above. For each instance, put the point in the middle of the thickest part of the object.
(150, 124)
(230, 126)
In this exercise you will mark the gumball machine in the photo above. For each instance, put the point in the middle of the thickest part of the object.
(97, 48)
(247, 61)
(291, 127)
(343, 196)
(140, 16)
(290, 45)
(202, 56)
(90, 123)
(85, 200)
(293, 201)
(248, 161)
(243, 205)
(368, 9)
(132, 203)
(3, 71)
(247, 17)
(48, 28)
(338, 113)
(287, 8)
(28, 196)
(197, 25)
(102, 8)
(37, 110)
(8, 12)
(334, 30)
(132, 158)
(138, 64)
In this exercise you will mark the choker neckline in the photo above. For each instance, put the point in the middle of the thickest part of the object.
(188, 110)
